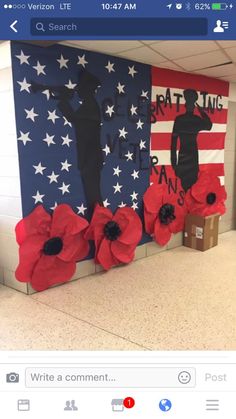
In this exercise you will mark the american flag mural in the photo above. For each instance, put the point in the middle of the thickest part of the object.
(92, 127)
(47, 138)
(168, 103)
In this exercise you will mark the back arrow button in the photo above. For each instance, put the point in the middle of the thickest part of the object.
(12, 26)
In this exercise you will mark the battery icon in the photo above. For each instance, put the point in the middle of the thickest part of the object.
(219, 6)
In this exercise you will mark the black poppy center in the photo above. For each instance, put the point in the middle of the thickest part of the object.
(167, 214)
(112, 230)
(211, 198)
(53, 246)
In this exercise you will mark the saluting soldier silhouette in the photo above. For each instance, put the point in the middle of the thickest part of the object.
(86, 120)
(186, 129)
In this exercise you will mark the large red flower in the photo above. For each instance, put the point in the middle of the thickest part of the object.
(50, 246)
(207, 196)
(115, 236)
(164, 211)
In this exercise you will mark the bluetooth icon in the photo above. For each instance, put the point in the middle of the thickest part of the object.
(188, 6)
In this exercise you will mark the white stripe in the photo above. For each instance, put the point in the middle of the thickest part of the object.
(158, 90)
(205, 156)
(167, 126)
(222, 180)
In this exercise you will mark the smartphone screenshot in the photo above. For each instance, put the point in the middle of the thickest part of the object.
(117, 209)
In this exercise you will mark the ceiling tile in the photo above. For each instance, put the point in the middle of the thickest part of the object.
(143, 55)
(232, 78)
(227, 44)
(231, 52)
(170, 65)
(203, 60)
(109, 47)
(179, 49)
(151, 42)
(224, 70)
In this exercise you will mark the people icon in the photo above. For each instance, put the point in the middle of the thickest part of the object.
(73, 407)
(186, 128)
(218, 27)
(70, 406)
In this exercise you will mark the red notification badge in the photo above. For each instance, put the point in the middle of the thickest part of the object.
(129, 402)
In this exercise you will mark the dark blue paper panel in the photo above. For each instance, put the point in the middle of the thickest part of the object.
(49, 161)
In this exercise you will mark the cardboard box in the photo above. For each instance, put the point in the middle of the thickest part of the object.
(201, 233)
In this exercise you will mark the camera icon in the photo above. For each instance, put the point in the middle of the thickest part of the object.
(12, 377)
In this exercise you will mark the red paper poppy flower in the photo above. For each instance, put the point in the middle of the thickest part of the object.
(50, 246)
(207, 196)
(164, 212)
(115, 236)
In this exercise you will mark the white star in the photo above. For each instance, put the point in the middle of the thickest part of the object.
(70, 85)
(23, 58)
(39, 169)
(117, 171)
(47, 93)
(123, 133)
(144, 94)
(117, 188)
(110, 67)
(129, 156)
(65, 165)
(106, 149)
(142, 144)
(120, 88)
(24, 85)
(66, 140)
(53, 177)
(135, 174)
(106, 203)
(49, 139)
(63, 62)
(132, 71)
(81, 209)
(39, 68)
(122, 205)
(64, 188)
(24, 137)
(67, 122)
(38, 197)
(140, 124)
(52, 116)
(133, 110)
(110, 110)
(134, 206)
(134, 196)
(82, 61)
(54, 206)
(31, 114)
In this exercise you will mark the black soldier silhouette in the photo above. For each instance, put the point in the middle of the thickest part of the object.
(86, 120)
(186, 129)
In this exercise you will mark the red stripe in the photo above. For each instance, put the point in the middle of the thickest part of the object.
(206, 141)
(214, 169)
(180, 80)
(218, 117)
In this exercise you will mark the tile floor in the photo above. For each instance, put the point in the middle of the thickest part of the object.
(180, 299)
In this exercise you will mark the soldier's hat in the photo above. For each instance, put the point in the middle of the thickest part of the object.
(89, 80)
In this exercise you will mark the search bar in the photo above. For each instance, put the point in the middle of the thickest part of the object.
(137, 27)
(111, 377)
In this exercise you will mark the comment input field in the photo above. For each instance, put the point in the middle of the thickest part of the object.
(110, 377)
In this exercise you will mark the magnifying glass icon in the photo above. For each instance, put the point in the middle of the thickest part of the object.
(40, 27)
